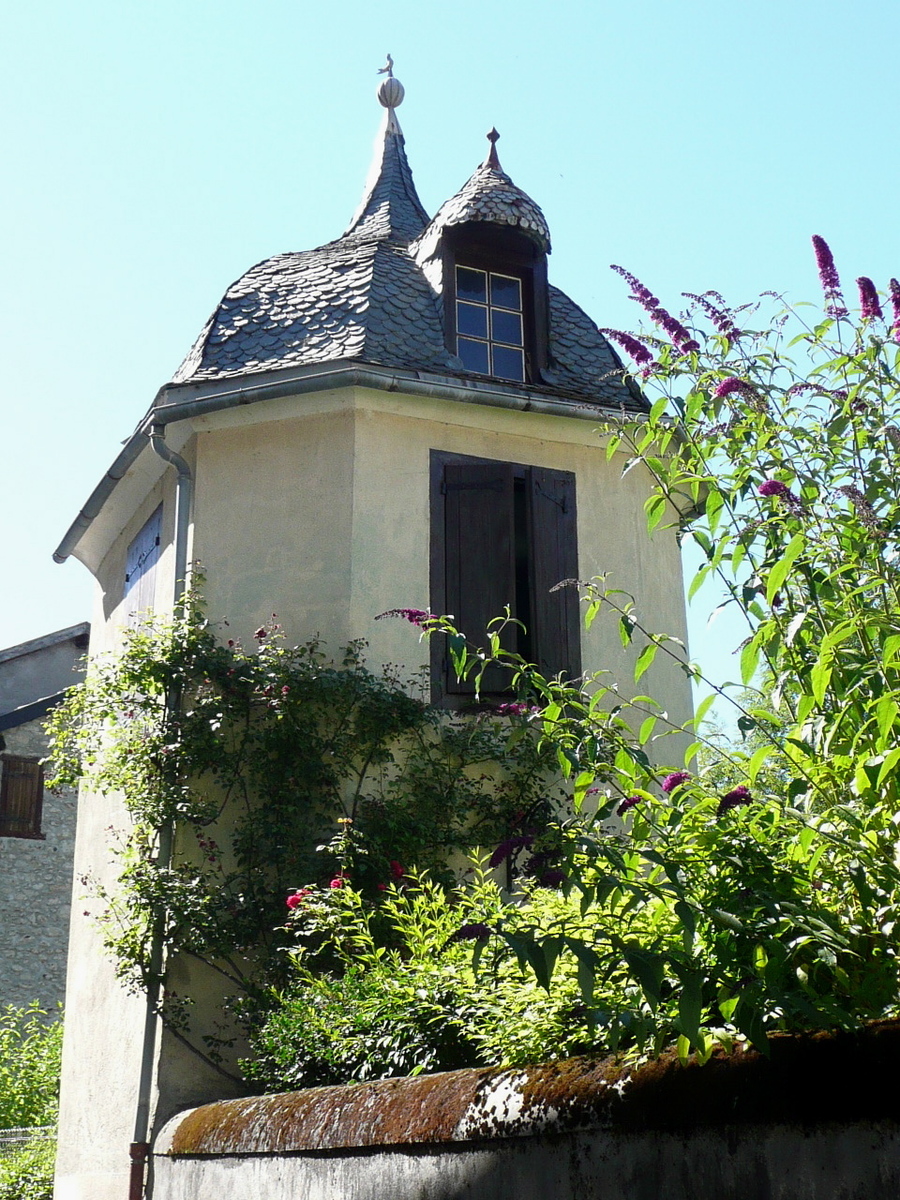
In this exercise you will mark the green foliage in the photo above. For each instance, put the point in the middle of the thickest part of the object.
(27, 1174)
(386, 987)
(30, 1049)
(762, 892)
(276, 767)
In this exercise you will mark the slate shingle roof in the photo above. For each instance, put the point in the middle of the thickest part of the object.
(364, 297)
(490, 195)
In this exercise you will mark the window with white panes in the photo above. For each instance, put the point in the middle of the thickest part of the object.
(489, 323)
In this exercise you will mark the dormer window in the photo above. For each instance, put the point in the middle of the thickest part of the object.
(495, 302)
(490, 331)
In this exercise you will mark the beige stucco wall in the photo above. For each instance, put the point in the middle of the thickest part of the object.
(315, 508)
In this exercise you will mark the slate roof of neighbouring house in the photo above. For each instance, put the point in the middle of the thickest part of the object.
(364, 297)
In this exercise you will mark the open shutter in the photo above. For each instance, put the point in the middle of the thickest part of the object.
(21, 796)
(479, 558)
(554, 557)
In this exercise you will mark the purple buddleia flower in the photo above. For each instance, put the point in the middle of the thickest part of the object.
(781, 491)
(415, 616)
(734, 798)
(797, 389)
(639, 292)
(831, 284)
(631, 345)
(552, 878)
(675, 780)
(726, 387)
(477, 931)
(870, 305)
(719, 316)
(627, 803)
(681, 339)
(895, 304)
(735, 386)
(863, 509)
(510, 846)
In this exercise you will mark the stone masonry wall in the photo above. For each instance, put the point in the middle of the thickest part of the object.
(35, 893)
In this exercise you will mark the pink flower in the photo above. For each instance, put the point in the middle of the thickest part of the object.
(397, 869)
(337, 882)
(676, 779)
(297, 898)
(260, 634)
(631, 801)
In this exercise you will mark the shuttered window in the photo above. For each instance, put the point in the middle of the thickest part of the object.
(21, 796)
(140, 565)
(503, 534)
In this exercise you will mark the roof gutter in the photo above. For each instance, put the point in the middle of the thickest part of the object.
(168, 408)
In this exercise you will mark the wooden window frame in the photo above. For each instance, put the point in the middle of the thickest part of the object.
(547, 552)
(502, 252)
(27, 814)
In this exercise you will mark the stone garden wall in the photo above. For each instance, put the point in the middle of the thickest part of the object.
(818, 1119)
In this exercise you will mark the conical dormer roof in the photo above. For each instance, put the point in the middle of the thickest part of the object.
(490, 196)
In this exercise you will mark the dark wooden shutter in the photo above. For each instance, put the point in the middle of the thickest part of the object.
(479, 557)
(554, 557)
(21, 796)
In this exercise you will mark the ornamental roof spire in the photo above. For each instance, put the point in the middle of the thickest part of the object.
(493, 159)
(390, 208)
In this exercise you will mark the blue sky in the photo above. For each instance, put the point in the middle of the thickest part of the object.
(154, 152)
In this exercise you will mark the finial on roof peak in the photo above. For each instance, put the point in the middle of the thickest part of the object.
(492, 159)
(390, 91)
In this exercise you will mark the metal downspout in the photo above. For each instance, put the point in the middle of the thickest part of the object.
(140, 1146)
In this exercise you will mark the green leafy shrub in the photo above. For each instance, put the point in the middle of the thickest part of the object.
(30, 1051)
(27, 1174)
(763, 893)
(389, 987)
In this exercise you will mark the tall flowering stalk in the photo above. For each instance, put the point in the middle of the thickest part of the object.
(895, 305)
(829, 278)
(869, 304)
(681, 338)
